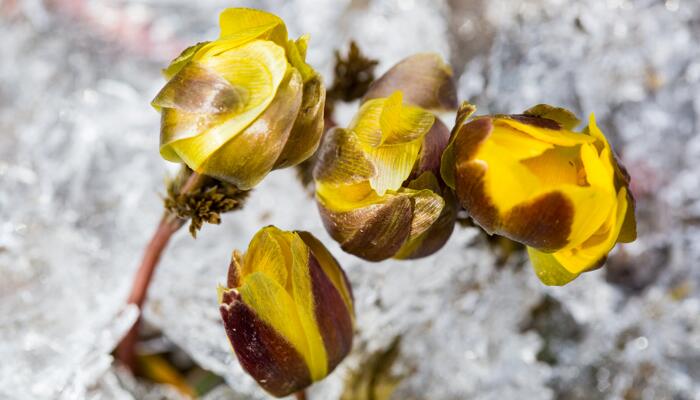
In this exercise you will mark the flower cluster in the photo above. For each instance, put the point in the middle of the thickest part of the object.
(388, 185)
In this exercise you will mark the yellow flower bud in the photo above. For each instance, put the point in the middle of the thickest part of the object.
(531, 178)
(378, 185)
(244, 104)
(287, 310)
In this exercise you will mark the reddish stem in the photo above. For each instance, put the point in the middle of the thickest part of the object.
(126, 351)
(169, 224)
(300, 395)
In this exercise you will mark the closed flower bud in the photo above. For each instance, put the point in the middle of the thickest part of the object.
(244, 104)
(531, 178)
(287, 310)
(378, 185)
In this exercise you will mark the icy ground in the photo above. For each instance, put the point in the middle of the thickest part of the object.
(80, 178)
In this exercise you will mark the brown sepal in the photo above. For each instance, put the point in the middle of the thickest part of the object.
(564, 118)
(332, 315)
(628, 233)
(262, 352)
(375, 232)
(536, 121)
(234, 270)
(471, 193)
(249, 156)
(469, 175)
(195, 89)
(433, 145)
(425, 80)
(305, 135)
(469, 137)
(544, 223)
(441, 230)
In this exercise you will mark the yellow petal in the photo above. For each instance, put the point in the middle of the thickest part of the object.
(577, 171)
(393, 164)
(255, 69)
(303, 295)
(249, 156)
(597, 246)
(240, 26)
(296, 51)
(196, 89)
(156, 368)
(558, 166)
(388, 121)
(401, 124)
(594, 131)
(268, 254)
(366, 125)
(508, 182)
(515, 143)
(548, 269)
(341, 198)
(251, 24)
(331, 268)
(177, 124)
(193, 101)
(628, 232)
(182, 60)
(275, 306)
(305, 136)
(593, 203)
(341, 160)
(561, 137)
(584, 178)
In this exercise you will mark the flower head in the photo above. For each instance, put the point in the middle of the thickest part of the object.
(377, 182)
(288, 310)
(531, 178)
(244, 104)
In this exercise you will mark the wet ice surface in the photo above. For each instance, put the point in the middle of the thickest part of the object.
(80, 178)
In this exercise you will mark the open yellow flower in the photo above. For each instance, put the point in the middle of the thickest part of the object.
(529, 177)
(244, 104)
(288, 310)
(377, 182)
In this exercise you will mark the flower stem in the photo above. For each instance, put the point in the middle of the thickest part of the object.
(169, 224)
(300, 395)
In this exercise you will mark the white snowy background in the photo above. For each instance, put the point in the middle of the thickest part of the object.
(81, 179)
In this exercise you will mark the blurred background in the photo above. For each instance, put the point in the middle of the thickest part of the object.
(81, 182)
